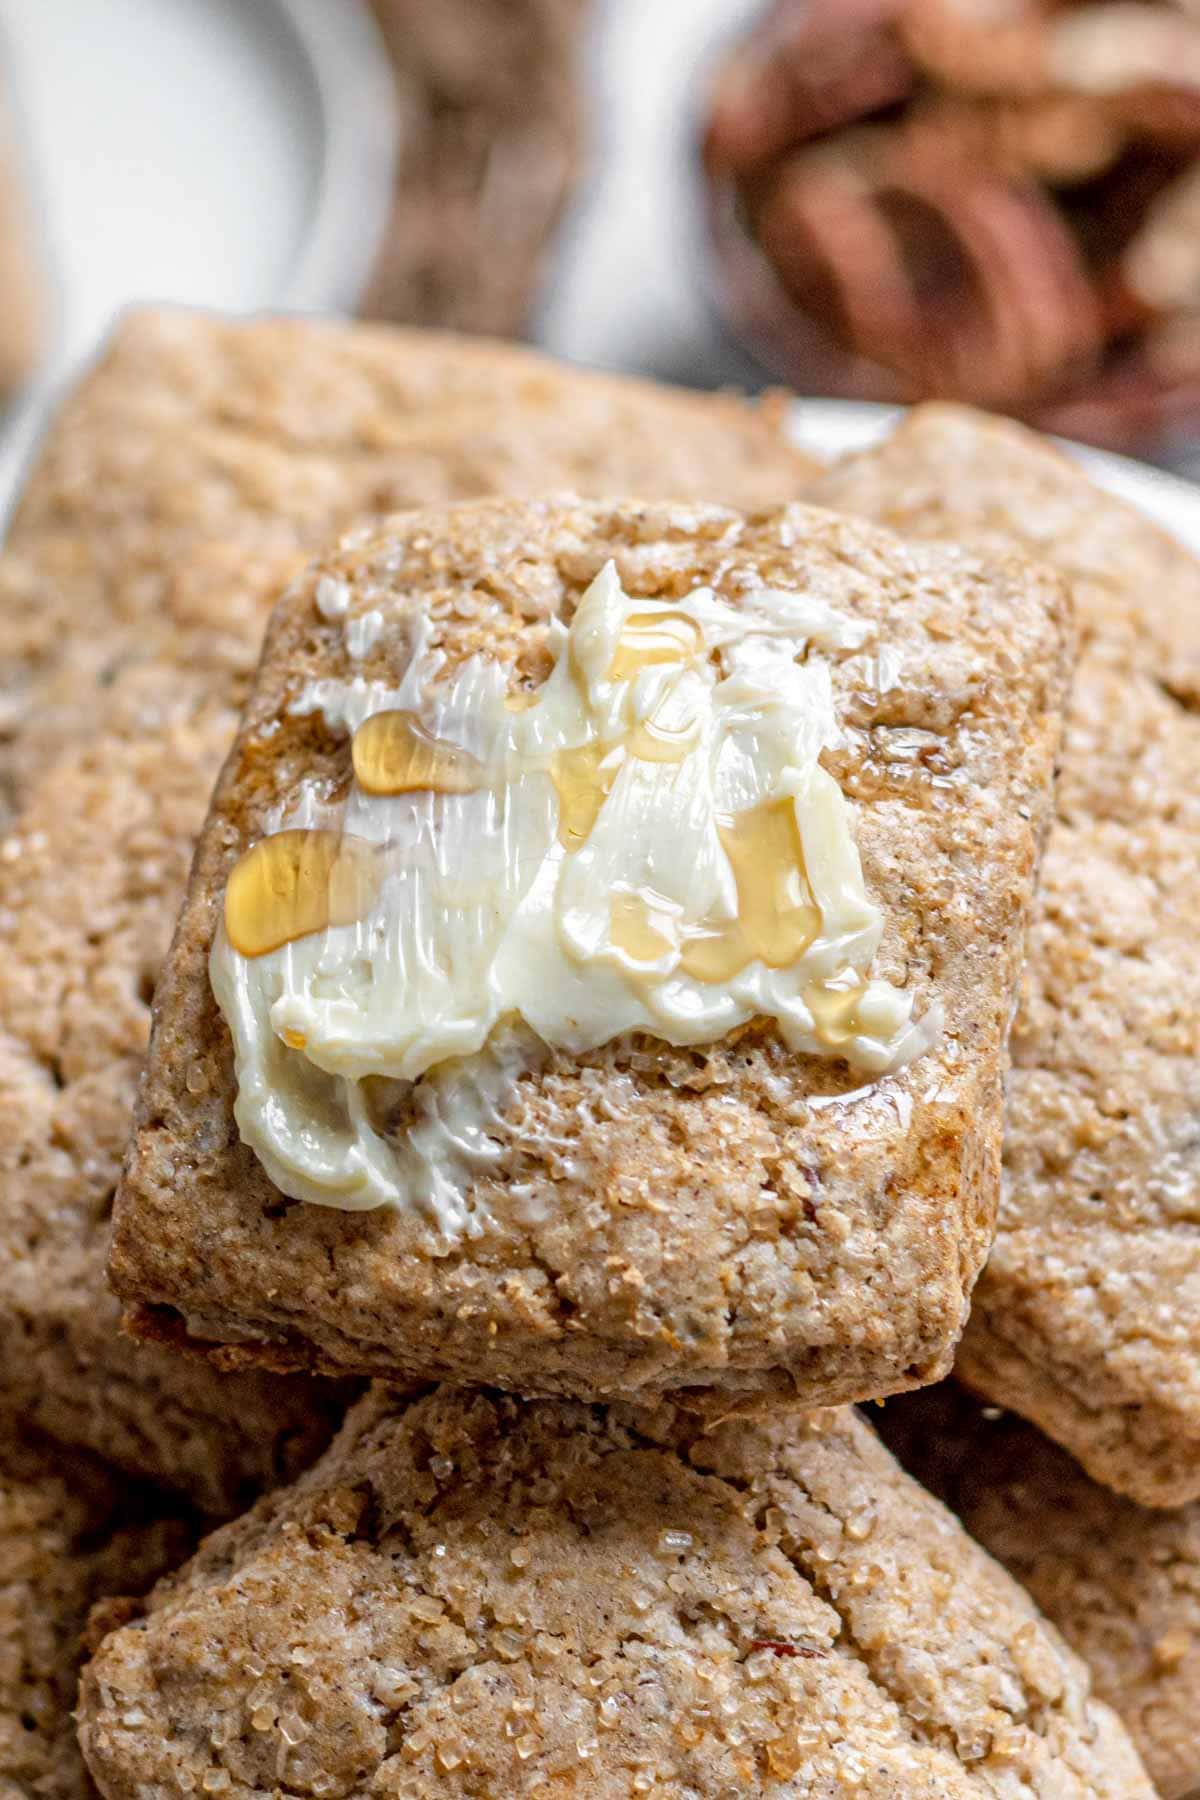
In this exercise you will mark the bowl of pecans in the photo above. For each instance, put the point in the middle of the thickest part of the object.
(995, 201)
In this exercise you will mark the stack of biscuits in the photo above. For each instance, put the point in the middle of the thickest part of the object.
(557, 1486)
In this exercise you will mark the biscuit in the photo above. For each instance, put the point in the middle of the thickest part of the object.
(475, 1595)
(279, 431)
(737, 1216)
(1087, 1317)
(195, 470)
(72, 1534)
(186, 480)
(81, 958)
(1121, 1582)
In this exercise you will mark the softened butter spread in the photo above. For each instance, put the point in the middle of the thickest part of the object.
(648, 842)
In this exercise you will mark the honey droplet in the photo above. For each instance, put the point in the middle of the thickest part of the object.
(394, 753)
(657, 743)
(633, 929)
(775, 903)
(716, 954)
(649, 638)
(297, 882)
(835, 1011)
(777, 917)
(583, 785)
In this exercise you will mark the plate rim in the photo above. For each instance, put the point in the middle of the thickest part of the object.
(356, 95)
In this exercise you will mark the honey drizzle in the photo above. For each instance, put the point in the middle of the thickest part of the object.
(777, 918)
(650, 638)
(632, 929)
(583, 785)
(583, 776)
(835, 1011)
(296, 882)
(394, 753)
(657, 743)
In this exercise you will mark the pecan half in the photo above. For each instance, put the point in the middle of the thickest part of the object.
(956, 198)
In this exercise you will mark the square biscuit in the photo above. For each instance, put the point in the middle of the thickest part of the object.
(473, 1595)
(196, 468)
(185, 481)
(1087, 1317)
(737, 1217)
(1120, 1581)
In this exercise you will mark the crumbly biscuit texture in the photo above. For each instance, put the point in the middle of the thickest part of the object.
(1087, 1318)
(1120, 1581)
(737, 1218)
(472, 1595)
(72, 1535)
(184, 484)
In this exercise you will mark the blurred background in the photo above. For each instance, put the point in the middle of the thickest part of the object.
(996, 200)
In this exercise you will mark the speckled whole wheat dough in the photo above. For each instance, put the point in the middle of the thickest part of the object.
(185, 482)
(471, 1595)
(718, 1224)
(73, 1535)
(1087, 1317)
(1121, 1582)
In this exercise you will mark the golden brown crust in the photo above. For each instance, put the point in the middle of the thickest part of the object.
(1122, 1583)
(1087, 1319)
(184, 483)
(473, 1595)
(712, 1228)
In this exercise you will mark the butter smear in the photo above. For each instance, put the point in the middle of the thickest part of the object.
(646, 843)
